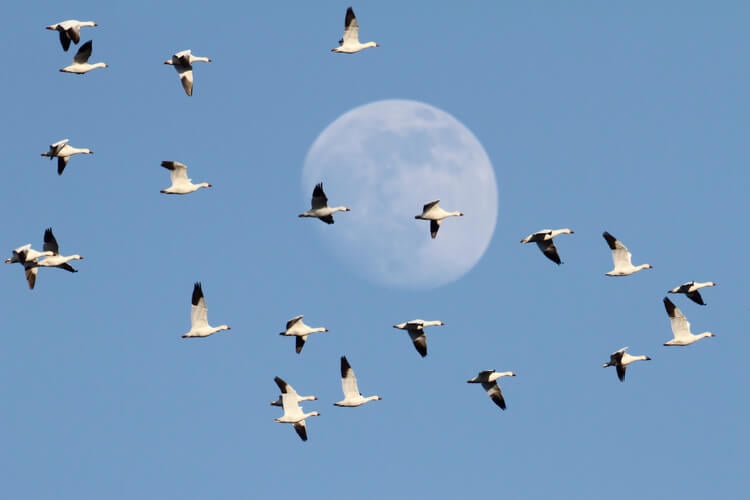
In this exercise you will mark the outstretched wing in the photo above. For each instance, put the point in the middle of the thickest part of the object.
(319, 198)
(351, 28)
(348, 379)
(83, 54)
(420, 341)
(50, 243)
(679, 323)
(621, 256)
(198, 311)
(177, 171)
(495, 394)
(549, 249)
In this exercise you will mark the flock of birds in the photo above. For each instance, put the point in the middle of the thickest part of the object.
(289, 400)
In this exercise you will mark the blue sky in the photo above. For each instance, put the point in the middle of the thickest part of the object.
(630, 118)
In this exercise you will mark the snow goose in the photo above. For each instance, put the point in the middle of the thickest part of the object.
(319, 206)
(691, 290)
(433, 213)
(415, 328)
(27, 257)
(543, 239)
(80, 64)
(62, 151)
(621, 359)
(180, 182)
(293, 414)
(681, 327)
(289, 390)
(349, 44)
(621, 258)
(199, 326)
(183, 63)
(295, 327)
(70, 30)
(352, 396)
(488, 379)
(56, 260)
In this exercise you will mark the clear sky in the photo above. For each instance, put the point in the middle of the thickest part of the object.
(630, 117)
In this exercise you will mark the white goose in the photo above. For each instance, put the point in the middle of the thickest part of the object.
(56, 260)
(289, 390)
(488, 379)
(319, 206)
(543, 239)
(293, 414)
(415, 328)
(691, 290)
(80, 64)
(621, 258)
(27, 257)
(681, 327)
(433, 213)
(70, 30)
(181, 184)
(295, 327)
(199, 326)
(62, 151)
(352, 396)
(183, 63)
(350, 44)
(621, 359)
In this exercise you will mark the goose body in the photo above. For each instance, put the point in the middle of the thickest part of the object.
(349, 43)
(319, 206)
(55, 259)
(181, 184)
(295, 327)
(294, 415)
(681, 327)
(621, 359)
(352, 396)
(80, 64)
(183, 64)
(415, 329)
(70, 31)
(63, 151)
(691, 290)
(488, 379)
(543, 239)
(621, 257)
(289, 390)
(199, 326)
(433, 213)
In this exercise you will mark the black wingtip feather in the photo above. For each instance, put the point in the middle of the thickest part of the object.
(197, 293)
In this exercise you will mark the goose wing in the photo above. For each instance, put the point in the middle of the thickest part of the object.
(64, 39)
(177, 171)
(319, 199)
(351, 28)
(62, 162)
(427, 207)
(293, 321)
(299, 343)
(621, 256)
(434, 228)
(301, 429)
(83, 54)
(285, 388)
(348, 380)
(419, 339)
(198, 311)
(495, 394)
(696, 297)
(549, 250)
(679, 323)
(50, 243)
(55, 148)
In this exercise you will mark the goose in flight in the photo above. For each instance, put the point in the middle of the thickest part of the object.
(621, 258)
(289, 390)
(70, 30)
(28, 258)
(80, 64)
(180, 182)
(691, 290)
(433, 213)
(352, 396)
(621, 359)
(295, 327)
(543, 239)
(55, 259)
(349, 44)
(319, 206)
(488, 379)
(183, 63)
(681, 327)
(199, 326)
(62, 151)
(415, 328)
(294, 415)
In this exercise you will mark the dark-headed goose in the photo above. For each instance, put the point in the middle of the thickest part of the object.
(488, 379)
(621, 359)
(293, 414)
(70, 30)
(543, 239)
(199, 326)
(80, 64)
(681, 326)
(183, 63)
(415, 328)
(295, 327)
(433, 213)
(62, 151)
(319, 206)
(181, 184)
(289, 390)
(350, 44)
(352, 396)
(691, 290)
(621, 258)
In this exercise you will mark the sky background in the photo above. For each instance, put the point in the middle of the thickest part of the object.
(627, 117)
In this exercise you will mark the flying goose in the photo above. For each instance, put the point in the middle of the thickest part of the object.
(183, 63)
(543, 239)
(55, 259)
(289, 390)
(180, 182)
(62, 151)
(70, 30)
(349, 44)
(621, 258)
(681, 327)
(488, 379)
(27, 257)
(433, 213)
(293, 414)
(691, 290)
(621, 359)
(319, 206)
(199, 326)
(415, 328)
(295, 327)
(80, 64)
(352, 396)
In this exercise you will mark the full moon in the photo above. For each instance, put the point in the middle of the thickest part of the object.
(384, 161)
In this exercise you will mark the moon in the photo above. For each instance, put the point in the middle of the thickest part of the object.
(385, 160)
